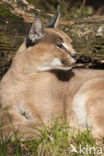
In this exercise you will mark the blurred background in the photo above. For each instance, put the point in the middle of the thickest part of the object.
(75, 7)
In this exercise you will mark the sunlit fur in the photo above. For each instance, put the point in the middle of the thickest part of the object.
(40, 84)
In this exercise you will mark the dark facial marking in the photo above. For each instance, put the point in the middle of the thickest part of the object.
(29, 43)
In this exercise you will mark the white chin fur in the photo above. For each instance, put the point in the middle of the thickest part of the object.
(54, 65)
(50, 68)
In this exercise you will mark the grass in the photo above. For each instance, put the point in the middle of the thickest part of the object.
(53, 141)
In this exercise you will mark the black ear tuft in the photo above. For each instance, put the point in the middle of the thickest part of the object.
(36, 32)
(54, 22)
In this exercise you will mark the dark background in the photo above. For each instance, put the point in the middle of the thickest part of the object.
(90, 6)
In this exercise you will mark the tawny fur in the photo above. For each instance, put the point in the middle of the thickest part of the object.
(38, 86)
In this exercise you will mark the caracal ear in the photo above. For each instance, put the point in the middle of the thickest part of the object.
(36, 32)
(55, 20)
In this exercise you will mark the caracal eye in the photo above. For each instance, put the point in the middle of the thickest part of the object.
(61, 46)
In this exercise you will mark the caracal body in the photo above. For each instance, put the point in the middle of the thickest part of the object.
(41, 84)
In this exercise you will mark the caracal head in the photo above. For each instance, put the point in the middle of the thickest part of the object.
(48, 48)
